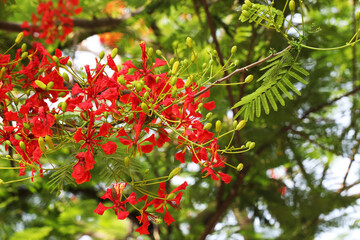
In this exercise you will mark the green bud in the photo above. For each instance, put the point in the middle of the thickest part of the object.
(357, 16)
(139, 86)
(69, 63)
(236, 62)
(175, 68)
(49, 141)
(1, 181)
(215, 52)
(204, 65)
(65, 77)
(240, 125)
(23, 47)
(189, 81)
(7, 142)
(171, 196)
(218, 126)
(209, 115)
(106, 114)
(101, 54)
(17, 137)
(145, 108)
(41, 144)
(19, 38)
(239, 167)
(252, 145)
(16, 101)
(61, 94)
(127, 162)
(50, 85)
(40, 84)
(292, 5)
(189, 42)
(173, 80)
(24, 55)
(193, 56)
(150, 52)
(64, 107)
(174, 93)
(172, 61)
(207, 126)
(56, 60)
(235, 123)
(233, 49)
(22, 145)
(158, 52)
(2, 72)
(27, 125)
(56, 117)
(249, 78)
(114, 53)
(174, 172)
(175, 44)
(146, 95)
(121, 80)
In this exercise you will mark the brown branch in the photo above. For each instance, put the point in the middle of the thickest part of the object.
(81, 23)
(352, 158)
(241, 70)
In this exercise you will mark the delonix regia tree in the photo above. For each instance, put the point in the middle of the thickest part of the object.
(148, 138)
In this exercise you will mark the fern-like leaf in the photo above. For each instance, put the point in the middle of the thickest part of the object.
(61, 177)
(266, 16)
(279, 73)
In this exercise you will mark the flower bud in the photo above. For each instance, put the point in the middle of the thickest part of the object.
(174, 92)
(358, 16)
(2, 72)
(127, 162)
(194, 56)
(65, 76)
(189, 81)
(40, 84)
(207, 126)
(249, 78)
(22, 145)
(189, 42)
(218, 126)
(69, 63)
(171, 196)
(292, 5)
(113, 53)
(175, 68)
(41, 144)
(23, 47)
(50, 85)
(208, 115)
(150, 52)
(174, 172)
(56, 60)
(240, 125)
(101, 54)
(19, 38)
(159, 53)
(239, 167)
(233, 49)
(17, 137)
(145, 108)
(7, 142)
(64, 107)
(235, 123)
(139, 86)
(49, 141)
(24, 55)
(27, 125)
(173, 80)
(175, 44)
(121, 80)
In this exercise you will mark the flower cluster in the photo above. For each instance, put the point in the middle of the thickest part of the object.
(55, 22)
(140, 106)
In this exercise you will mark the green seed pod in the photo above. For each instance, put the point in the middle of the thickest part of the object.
(41, 144)
(64, 107)
(69, 63)
(189, 81)
(235, 123)
(209, 115)
(158, 52)
(50, 85)
(173, 80)
(49, 141)
(101, 54)
(40, 84)
(145, 108)
(7, 142)
(174, 172)
(22, 145)
(65, 77)
(233, 49)
(207, 126)
(249, 78)
(19, 38)
(114, 53)
(139, 86)
(127, 162)
(189, 42)
(150, 52)
(23, 47)
(56, 60)
(175, 68)
(2, 72)
(24, 55)
(239, 167)
(171, 196)
(218, 126)
(292, 5)
(240, 125)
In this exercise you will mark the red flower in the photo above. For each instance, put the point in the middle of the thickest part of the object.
(115, 194)
(81, 168)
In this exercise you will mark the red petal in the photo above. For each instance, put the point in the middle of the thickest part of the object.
(225, 177)
(109, 148)
(168, 218)
(209, 105)
(101, 209)
(180, 156)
